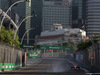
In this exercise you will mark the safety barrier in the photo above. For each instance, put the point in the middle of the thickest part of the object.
(8, 67)
(10, 57)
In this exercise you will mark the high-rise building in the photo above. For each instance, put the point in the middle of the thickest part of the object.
(56, 11)
(36, 20)
(0, 3)
(93, 17)
(78, 14)
(4, 4)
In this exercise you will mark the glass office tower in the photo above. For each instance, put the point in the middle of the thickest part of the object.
(36, 21)
(79, 14)
(56, 11)
(0, 3)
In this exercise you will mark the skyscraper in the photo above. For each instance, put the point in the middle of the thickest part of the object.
(78, 14)
(4, 4)
(36, 20)
(93, 17)
(56, 11)
(0, 3)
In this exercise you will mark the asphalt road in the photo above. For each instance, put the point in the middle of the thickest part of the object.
(49, 66)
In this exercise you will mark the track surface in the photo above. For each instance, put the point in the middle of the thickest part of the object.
(49, 66)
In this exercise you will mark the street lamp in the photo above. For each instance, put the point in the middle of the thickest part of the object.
(9, 10)
(19, 24)
(25, 34)
(93, 53)
(8, 17)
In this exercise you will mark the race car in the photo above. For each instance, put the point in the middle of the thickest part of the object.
(75, 67)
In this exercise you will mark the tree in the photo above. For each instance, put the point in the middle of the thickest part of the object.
(69, 44)
(84, 44)
(7, 37)
(87, 43)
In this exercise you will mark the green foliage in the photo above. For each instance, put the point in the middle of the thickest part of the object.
(84, 44)
(8, 37)
(97, 36)
(65, 44)
(69, 44)
(87, 43)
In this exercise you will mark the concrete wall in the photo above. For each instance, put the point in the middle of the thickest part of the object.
(10, 57)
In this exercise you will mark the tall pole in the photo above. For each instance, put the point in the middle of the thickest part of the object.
(8, 17)
(20, 25)
(9, 10)
(28, 21)
(25, 34)
(93, 53)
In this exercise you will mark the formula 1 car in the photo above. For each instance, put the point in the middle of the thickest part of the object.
(75, 67)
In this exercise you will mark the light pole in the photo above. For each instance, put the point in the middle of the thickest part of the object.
(8, 17)
(20, 25)
(93, 53)
(9, 9)
(25, 34)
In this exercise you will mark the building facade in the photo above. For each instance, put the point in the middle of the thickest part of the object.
(56, 11)
(0, 4)
(79, 14)
(4, 4)
(93, 17)
(59, 36)
(36, 21)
